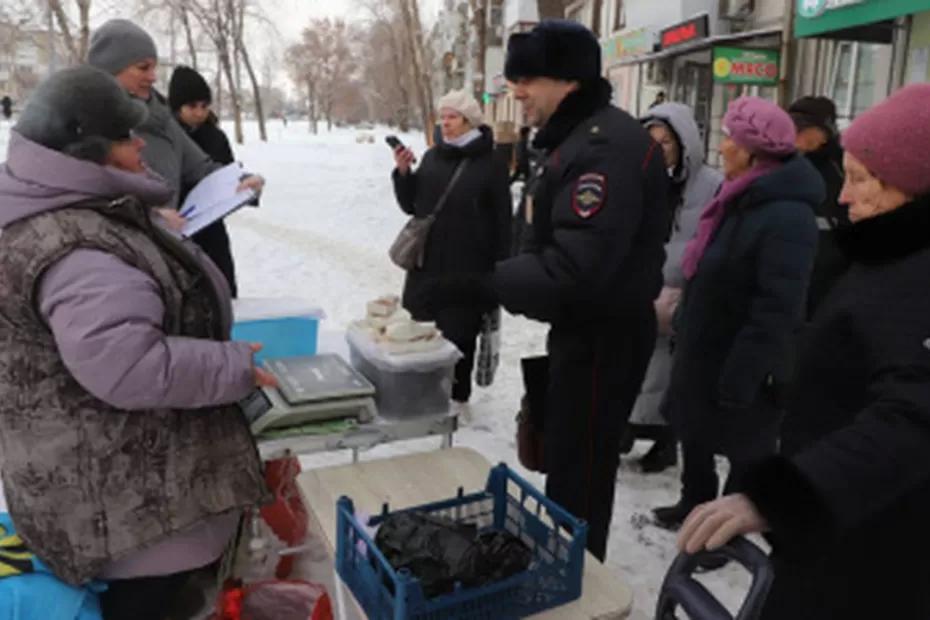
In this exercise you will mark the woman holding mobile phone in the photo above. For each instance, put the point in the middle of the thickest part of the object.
(472, 231)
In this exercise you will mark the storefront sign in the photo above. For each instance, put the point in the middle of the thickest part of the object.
(734, 65)
(815, 17)
(685, 32)
(628, 44)
(815, 8)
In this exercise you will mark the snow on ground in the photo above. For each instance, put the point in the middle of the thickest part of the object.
(322, 232)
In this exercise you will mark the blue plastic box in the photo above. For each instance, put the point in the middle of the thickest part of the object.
(285, 327)
(508, 503)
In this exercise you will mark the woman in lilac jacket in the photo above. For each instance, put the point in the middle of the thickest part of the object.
(125, 456)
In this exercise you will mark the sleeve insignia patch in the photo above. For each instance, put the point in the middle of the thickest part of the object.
(589, 195)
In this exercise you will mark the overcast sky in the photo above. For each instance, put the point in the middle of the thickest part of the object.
(289, 16)
(292, 15)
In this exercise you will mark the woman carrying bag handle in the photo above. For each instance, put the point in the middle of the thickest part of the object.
(470, 233)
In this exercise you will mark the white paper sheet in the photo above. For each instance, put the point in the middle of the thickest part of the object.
(214, 198)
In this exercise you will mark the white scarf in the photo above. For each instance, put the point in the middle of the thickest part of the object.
(465, 139)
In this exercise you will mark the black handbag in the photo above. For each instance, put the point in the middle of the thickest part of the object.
(409, 248)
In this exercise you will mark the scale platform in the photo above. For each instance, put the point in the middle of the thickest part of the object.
(312, 389)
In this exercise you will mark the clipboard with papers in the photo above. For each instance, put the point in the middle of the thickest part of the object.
(214, 198)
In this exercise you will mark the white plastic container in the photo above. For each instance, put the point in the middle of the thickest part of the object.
(407, 385)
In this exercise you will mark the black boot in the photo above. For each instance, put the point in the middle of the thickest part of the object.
(627, 439)
(671, 517)
(662, 455)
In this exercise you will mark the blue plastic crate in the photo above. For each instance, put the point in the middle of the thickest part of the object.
(508, 503)
(285, 327)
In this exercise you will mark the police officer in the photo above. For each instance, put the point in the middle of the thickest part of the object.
(591, 265)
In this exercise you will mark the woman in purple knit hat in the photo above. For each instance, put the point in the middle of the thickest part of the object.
(847, 503)
(747, 272)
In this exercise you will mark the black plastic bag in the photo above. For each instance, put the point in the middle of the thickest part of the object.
(441, 553)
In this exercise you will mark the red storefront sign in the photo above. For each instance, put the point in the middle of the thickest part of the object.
(685, 32)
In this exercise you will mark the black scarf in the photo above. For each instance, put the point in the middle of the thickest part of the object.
(888, 236)
(574, 109)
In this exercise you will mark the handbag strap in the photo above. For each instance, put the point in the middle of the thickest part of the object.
(445, 195)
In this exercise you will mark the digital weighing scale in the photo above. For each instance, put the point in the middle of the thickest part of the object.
(312, 389)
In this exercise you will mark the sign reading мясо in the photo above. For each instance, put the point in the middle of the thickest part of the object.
(734, 65)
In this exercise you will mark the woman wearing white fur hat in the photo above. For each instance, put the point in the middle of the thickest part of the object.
(472, 229)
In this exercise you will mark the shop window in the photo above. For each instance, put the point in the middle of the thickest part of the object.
(619, 15)
(841, 89)
(871, 77)
(860, 78)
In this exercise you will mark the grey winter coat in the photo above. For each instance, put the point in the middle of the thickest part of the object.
(170, 151)
(698, 184)
(118, 423)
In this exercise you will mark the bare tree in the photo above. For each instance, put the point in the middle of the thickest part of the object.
(480, 11)
(184, 17)
(387, 78)
(413, 38)
(238, 9)
(75, 42)
(218, 24)
(305, 73)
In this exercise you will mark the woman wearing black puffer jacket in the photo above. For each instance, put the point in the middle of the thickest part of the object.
(847, 503)
(189, 96)
(471, 232)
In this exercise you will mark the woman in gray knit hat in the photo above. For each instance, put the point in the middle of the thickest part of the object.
(125, 456)
(126, 51)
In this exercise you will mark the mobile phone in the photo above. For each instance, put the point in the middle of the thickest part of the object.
(393, 142)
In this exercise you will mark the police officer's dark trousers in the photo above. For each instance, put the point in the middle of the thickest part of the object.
(595, 373)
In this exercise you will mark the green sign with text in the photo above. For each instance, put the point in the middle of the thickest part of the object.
(734, 65)
(815, 17)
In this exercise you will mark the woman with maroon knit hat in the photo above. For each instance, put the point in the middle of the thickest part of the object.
(746, 271)
(847, 503)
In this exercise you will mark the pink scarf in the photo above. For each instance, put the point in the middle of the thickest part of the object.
(714, 212)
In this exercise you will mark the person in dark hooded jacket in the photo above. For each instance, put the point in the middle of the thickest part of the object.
(189, 97)
(847, 503)
(472, 231)
(748, 270)
(818, 140)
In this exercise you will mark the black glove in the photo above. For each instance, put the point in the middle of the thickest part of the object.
(467, 290)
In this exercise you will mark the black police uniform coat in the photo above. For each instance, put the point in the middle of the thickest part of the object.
(591, 268)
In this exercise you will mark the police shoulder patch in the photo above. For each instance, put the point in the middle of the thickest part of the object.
(589, 194)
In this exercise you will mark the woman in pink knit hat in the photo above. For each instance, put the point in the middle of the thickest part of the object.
(747, 272)
(847, 503)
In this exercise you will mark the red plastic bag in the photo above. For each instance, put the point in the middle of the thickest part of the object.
(287, 516)
(275, 600)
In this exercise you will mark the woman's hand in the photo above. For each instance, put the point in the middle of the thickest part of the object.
(263, 378)
(174, 220)
(403, 159)
(714, 524)
(665, 307)
(253, 182)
